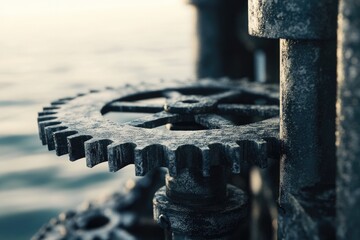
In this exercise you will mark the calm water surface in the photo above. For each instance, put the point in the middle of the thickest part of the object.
(53, 49)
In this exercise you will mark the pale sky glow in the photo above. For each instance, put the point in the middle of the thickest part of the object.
(50, 7)
(51, 49)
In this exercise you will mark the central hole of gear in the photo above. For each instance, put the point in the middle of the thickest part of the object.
(190, 101)
(95, 222)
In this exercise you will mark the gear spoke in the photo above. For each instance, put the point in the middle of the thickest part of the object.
(172, 94)
(155, 120)
(249, 110)
(227, 95)
(212, 121)
(134, 107)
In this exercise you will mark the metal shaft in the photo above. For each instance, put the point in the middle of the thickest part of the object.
(307, 130)
(308, 111)
(307, 33)
(348, 119)
(219, 52)
(191, 206)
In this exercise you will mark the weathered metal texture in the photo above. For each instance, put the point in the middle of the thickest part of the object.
(204, 221)
(76, 126)
(348, 115)
(307, 119)
(310, 214)
(219, 51)
(125, 215)
(189, 187)
(293, 19)
(308, 90)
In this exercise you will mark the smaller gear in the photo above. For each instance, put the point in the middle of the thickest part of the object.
(197, 125)
(126, 214)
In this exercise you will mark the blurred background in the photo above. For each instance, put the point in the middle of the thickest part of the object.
(51, 49)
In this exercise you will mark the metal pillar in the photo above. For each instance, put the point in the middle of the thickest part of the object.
(307, 115)
(348, 116)
(219, 52)
(308, 70)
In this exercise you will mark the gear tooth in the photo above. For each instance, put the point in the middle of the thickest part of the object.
(45, 118)
(152, 156)
(216, 154)
(273, 147)
(170, 156)
(189, 156)
(57, 103)
(49, 131)
(226, 154)
(46, 113)
(76, 147)
(206, 161)
(50, 108)
(138, 161)
(96, 151)
(42, 126)
(235, 156)
(60, 141)
(66, 99)
(260, 152)
(94, 91)
(120, 155)
(255, 151)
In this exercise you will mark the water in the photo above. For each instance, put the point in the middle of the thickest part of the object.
(53, 49)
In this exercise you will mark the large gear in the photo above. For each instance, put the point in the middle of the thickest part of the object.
(235, 122)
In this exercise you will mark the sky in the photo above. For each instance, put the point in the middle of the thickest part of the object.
(55, 7)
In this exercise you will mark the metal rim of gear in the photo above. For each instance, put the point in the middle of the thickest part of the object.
(76, 126)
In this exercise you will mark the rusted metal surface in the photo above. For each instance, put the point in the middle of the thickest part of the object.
(348, 110)
(76, 126)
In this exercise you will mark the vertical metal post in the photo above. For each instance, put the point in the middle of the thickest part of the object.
(308, 70)
(307, 30)
(348, 121)
(307, 131)
(219, 51)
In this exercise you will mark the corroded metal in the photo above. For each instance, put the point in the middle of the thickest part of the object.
(348, 114)
(308, 133)
(77, 126)
(307, 119)
(227, 124)
(293, 19)
(203, 221)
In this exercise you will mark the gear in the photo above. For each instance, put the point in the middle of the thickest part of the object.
(209, 123)
(125, 214)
